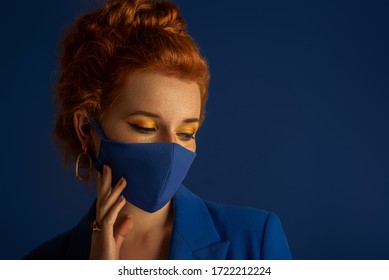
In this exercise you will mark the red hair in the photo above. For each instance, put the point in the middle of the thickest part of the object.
(104, 48)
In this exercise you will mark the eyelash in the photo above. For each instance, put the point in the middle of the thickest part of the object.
(186, 136)
(147, 130)
(143, 129)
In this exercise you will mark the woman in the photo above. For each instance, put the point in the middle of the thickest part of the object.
(132, 96)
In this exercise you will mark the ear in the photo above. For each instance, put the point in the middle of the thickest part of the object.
(82, 126)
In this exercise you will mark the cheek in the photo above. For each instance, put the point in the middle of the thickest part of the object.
(136, 137)
(191, 145)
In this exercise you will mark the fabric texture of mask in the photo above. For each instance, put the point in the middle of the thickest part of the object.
(153, 171)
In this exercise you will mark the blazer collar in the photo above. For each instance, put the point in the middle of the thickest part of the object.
(194, 234)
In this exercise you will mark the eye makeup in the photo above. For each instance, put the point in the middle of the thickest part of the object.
(187, 132)
(144, 125)
(148, 125)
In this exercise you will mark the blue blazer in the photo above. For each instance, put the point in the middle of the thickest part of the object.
(201, 230)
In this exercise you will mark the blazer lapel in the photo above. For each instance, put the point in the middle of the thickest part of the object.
(194, 234)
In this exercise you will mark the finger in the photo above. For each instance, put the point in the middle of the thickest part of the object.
(106, 205)
(115, 193)
(105, 188)
(100, 192)
(111, 216)
(100, 177)
(123, 230)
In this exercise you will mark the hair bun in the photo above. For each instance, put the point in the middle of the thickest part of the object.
(123, 17)
(135, 14)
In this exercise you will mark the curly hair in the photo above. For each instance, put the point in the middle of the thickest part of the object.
(102, 49)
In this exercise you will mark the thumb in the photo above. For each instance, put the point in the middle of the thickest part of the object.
(123, 230)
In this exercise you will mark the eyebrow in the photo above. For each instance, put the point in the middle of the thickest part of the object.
(156, 116)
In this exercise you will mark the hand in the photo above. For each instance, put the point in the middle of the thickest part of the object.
(106, 244)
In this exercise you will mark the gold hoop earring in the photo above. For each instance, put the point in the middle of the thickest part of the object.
(78, 175)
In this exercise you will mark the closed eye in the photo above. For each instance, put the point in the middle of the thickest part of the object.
(142, 129)
(186, 136)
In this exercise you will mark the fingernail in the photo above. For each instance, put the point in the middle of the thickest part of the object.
(104, 168)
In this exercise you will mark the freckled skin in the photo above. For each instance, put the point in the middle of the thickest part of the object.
(174, 100)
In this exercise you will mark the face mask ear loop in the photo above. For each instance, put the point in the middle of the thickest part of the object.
(98, 129)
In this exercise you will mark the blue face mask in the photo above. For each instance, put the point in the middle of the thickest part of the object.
(153, 171)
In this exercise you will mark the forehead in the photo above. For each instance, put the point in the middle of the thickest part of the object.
(167, 96)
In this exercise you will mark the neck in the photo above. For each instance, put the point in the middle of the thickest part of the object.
(147, 222)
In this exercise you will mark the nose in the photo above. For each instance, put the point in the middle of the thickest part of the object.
(168, 137)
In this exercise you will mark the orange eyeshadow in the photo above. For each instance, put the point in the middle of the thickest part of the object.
(187, 129)
(144, 122)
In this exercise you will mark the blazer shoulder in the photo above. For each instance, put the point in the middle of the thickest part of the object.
(247, 218)
(53, 249)
(73, 244)
(253, 233)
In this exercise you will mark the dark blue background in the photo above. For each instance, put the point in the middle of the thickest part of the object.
(297, 121)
